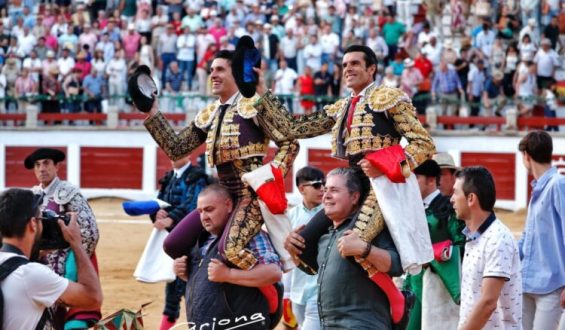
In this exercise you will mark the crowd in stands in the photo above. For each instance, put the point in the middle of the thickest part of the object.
(72, 55)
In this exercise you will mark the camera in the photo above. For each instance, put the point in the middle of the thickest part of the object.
(52, 237)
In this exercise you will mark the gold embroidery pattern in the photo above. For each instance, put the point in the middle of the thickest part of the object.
(384, 98)
(311, 125)
(174, 145)
(245, 107)
(250, 150)
(274, 118)
(243, 225)
(204, 118)
(368, 225)
(334, 110)
(420, 144)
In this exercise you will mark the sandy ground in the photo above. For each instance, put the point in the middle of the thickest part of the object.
(122, 239)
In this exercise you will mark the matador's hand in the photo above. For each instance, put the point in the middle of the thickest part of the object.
(368, 168)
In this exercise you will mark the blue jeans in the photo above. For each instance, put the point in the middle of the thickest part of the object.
(188, 67)
(550, 113)
(167, 58)
(327, 58)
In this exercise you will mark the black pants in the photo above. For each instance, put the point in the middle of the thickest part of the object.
(174, 291)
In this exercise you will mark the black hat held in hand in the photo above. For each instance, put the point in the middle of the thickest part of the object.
(142, 88)
(245, 58)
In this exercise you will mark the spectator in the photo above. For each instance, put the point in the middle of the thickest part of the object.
(180, 188)
(167, 50)
(526, 47)
(390, 79)
(510, 64)
(255, 16)
(176, 22)
(158, 26)
(66, 63)
(433, 51)
(491, 290)
(305, 87)
(94, 89)
(34, 65)
(313, 54)
(143, 24)
(322, 82)
(447, 174)
(84, 67)
(3, 84)
(68, 40)
(485, 40)
(289, 49)
(203, 41)
(26, 42)
(447, 52)
(130, 42)
(191, 20)
(72, 91)
(493, 95)
(497, 54)
(186, 45)
(106, 46)
(543, 235)
(411, 78)
(98, 63)
(270, 47)
(32, 287)
(26, 88)
(202, 69)
(336, 81)
(398, 65)
(116, 71)
(329, 42)
(173, 85)
(463, 66)
(551, 32)
(377, 43)
(477, 79)
(547, 95)
(88, 37)
(38, 29)
(547, 61)
(51, 88)
(303, 291)
(284, 84)
(526, 86)
(218, 30)
(531, 30)
(445, 85)
(392, 32)
(278, 28)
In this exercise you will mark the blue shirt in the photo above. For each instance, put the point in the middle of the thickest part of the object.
(477, 80)
(303, 287)
(446, 82)
(175, 79)
(542, 246)
(93, 84)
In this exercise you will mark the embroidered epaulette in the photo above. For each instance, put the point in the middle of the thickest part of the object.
(64, 192)
(245, 107)
(204, 118)
(384, 98)
(332, 110)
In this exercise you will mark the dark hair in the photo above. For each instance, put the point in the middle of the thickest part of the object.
(217, 189)
(352, 181)
(17, 207)
(369, 56)
(538, 145)
(479, 181)
(225, 54)
(308, 173)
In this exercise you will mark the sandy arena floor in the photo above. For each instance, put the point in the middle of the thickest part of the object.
(122, 239)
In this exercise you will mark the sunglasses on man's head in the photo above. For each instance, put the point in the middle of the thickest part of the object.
(315, 184)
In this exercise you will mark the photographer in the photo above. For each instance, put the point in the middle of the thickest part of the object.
(32, 287)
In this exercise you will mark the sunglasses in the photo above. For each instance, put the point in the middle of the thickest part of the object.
(315, 184)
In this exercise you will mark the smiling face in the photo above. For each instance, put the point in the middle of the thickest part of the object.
(339, 203)
(355, 72)
(223, 83)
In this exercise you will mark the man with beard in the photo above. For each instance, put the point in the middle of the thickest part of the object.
(28, 287)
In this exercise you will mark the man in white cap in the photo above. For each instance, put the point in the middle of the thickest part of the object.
(447, 175)
(411, 78)
(546, 60)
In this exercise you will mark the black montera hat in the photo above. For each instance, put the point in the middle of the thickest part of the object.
(245, 58)
(43, 153)
(429, 168)
(142, 88)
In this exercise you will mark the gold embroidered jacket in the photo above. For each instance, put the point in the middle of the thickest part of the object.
(380, 120)
(242, 133)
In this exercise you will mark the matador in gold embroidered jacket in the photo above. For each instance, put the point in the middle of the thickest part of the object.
(237, 138)
(381, 118)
